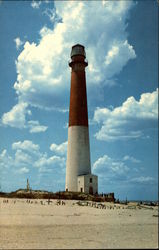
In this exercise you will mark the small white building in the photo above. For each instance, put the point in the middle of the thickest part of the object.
(87, 184)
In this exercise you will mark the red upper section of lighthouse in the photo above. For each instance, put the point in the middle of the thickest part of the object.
(78, 115)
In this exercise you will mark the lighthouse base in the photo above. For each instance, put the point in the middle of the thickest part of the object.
(87, 184)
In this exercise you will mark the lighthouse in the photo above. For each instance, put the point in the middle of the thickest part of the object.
(78, 167)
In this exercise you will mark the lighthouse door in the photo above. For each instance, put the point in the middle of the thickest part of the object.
(90, 190)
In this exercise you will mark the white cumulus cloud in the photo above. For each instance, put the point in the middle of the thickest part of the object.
(5, 160)
(118, 56)
(23, 170)
(43, 74)
(143, 179)
(35, 127)
(112, 171)
(131, 159)
(26, 146)
(35, 4)
(53, 160)
(128, 121)
(18, 42)
(16, 116)
(106, 165)
(22, 158)
(27, 157)
(59, 149)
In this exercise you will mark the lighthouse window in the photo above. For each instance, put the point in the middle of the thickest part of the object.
(90, 180)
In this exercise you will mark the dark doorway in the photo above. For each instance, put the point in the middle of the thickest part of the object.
(90, 190)
(81, 190)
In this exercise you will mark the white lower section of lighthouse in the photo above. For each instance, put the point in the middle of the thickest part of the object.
(78, 160)
(78, 155)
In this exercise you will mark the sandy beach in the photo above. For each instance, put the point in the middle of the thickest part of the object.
(38, 225)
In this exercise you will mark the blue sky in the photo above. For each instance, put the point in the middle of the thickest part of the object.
(120, 38)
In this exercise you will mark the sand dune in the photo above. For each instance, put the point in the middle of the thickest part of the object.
(37, 226)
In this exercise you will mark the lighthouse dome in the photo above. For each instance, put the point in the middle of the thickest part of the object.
(78, 49)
